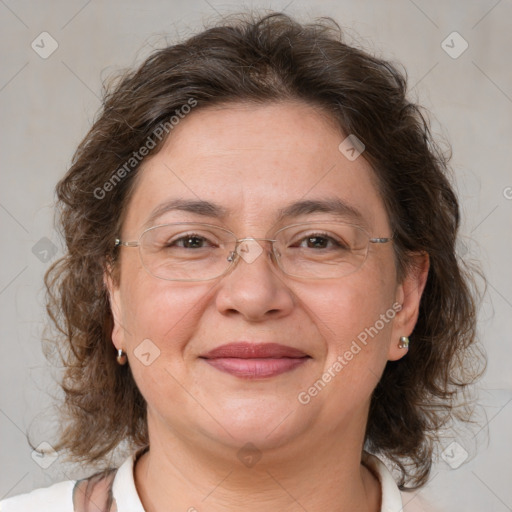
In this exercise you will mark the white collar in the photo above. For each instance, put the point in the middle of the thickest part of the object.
(123, 488)
(391, 499)
(128, 500)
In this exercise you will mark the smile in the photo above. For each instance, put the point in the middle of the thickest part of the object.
(255, 361)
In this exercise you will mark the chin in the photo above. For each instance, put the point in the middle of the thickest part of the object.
(266, 425)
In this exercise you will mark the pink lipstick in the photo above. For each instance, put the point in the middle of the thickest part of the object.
(255, 360)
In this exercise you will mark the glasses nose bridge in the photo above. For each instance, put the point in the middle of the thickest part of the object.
(235, 255)
(252, 238)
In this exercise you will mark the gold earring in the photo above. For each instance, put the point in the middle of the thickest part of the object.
(121, 357)
(404, 342)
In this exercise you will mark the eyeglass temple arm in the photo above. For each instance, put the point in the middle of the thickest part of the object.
(380, 240)
(118, 242)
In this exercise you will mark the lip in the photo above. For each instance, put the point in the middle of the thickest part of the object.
(247, 350)
(255, 360)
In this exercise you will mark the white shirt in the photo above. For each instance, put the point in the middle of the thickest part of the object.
(59, 497)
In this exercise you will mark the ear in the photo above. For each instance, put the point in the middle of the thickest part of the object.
(115, 306)
(408, 294)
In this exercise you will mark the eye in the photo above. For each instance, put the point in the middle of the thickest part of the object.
(190, 241)
(321, 241)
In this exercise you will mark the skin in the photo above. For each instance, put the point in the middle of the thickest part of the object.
(255, 160)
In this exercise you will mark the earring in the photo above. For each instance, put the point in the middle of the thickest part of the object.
(121, 357)
(404, 342)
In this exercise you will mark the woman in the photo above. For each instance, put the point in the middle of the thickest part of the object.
(261, 292)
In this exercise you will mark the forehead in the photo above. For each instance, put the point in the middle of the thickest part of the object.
(253, 161)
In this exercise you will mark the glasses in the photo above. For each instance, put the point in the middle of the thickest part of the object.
(184, 251)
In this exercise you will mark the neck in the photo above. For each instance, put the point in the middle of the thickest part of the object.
(326, 474)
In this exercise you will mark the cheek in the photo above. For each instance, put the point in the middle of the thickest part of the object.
(356, 318)
(351, 306)
(160, 317)
(161, 311)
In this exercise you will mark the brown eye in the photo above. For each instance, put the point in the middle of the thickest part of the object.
(318, 242)
(188, 242)
(321, 241)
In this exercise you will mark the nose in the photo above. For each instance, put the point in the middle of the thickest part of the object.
(254, 288)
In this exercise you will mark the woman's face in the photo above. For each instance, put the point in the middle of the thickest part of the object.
(253, 161)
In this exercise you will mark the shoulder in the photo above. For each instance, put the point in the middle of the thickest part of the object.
(56, 498)
(110, 489)
(71, 495)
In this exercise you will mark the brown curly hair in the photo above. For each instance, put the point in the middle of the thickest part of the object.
(266, 59)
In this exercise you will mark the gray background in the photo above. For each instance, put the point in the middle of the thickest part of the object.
(47, 105)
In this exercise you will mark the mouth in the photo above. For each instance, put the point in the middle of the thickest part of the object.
(255, 360)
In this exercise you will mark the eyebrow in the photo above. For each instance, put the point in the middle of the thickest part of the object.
(198, 207)
(334, 206)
